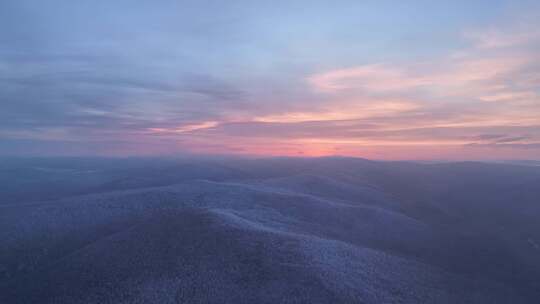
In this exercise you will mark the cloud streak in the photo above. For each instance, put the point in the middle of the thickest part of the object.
(187, 80)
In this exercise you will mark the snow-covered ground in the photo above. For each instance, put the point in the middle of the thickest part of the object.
(326, 230)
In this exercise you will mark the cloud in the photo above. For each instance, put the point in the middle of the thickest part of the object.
(186, 80)
(376, 78)
(465, 76)
(528, 146)
(447, 96)
(488, 136)
(518, 33)
(511, 139)
(185, 128)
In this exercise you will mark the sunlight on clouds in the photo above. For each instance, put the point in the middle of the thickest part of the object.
(377, 77)
(441, 107)
(491, 85)
(355, 109)
(384, 142)
(186, 128)
(303, 117)
(450, 74)
(510, 96)
(500, 68)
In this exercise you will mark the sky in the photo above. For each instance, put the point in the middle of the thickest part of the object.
(415, 80)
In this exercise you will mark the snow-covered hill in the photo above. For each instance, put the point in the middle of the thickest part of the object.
(329, 230)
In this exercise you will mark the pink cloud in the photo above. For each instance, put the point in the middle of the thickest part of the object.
(447, 107)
